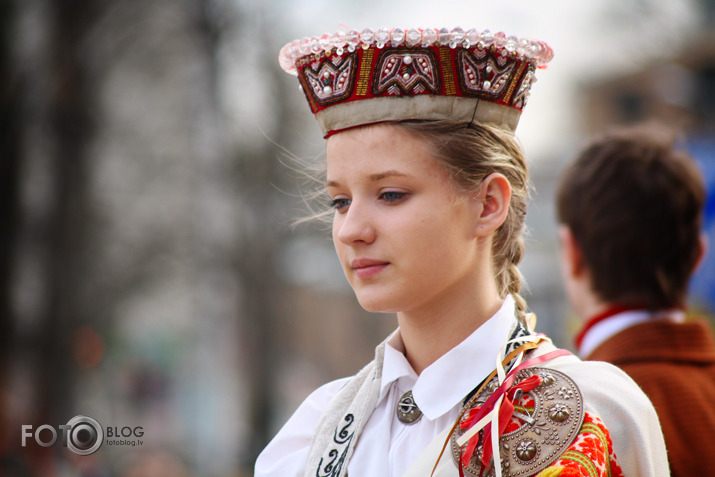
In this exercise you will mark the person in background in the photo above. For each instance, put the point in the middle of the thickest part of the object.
(428, 188)
(630, 209)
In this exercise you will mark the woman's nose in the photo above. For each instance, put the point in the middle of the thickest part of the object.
(355, 225)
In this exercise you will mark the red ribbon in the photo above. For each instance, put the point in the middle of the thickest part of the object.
(505, 413)
(506, 410)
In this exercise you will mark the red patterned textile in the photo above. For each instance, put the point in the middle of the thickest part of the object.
(487, 73)
(591, 454)
(353, 79)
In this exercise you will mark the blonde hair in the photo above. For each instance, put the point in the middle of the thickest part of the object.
(469, 154)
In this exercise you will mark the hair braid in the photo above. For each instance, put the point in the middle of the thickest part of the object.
(512, 279)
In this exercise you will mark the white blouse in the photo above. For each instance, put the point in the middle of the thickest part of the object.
(386, 446)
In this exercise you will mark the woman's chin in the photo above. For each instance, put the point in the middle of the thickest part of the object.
(377, 304)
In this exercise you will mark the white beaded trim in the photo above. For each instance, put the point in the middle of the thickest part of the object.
(535, 51)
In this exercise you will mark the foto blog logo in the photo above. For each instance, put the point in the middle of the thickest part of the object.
(82, 435)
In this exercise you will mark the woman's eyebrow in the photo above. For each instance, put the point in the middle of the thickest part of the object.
(389, 173)
(372, 177)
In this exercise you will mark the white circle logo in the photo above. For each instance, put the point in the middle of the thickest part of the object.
(85, 435)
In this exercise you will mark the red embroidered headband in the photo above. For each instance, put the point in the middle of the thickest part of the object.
(356, 78)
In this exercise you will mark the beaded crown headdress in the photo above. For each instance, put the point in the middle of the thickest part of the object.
(355, 78)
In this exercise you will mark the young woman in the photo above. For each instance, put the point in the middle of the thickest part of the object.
(429, 189)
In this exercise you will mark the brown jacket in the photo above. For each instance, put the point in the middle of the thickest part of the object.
(674, 363)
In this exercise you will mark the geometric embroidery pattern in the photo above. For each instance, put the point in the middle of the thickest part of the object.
(332, 80)
(484, 77)
(486, 73)
(406, 71)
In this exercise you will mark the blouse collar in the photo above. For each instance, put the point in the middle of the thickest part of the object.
(456, 373)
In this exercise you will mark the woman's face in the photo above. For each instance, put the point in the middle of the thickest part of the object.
(404, 234)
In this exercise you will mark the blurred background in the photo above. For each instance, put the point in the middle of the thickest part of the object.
(149, 273)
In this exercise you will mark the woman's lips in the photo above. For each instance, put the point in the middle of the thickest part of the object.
(367, 268)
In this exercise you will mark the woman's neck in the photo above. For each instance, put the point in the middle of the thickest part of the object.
(431, 332)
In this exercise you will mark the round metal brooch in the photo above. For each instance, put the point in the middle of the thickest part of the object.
(548, 417)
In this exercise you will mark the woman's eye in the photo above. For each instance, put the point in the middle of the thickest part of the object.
(340, 203)
(392, 196)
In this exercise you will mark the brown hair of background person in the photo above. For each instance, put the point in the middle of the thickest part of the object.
(631, 208)
(631, 198)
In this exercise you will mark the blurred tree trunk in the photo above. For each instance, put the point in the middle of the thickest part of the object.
(46, 129)
(10, 158)
(70, 129)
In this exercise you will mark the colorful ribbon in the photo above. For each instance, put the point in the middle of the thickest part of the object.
(506, 411)
(494, 415)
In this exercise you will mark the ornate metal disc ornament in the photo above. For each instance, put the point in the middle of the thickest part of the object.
(548, 425)
(407, 410)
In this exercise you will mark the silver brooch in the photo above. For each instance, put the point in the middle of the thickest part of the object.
(407, 410)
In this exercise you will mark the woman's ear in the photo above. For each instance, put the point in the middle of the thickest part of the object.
(493, 200)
